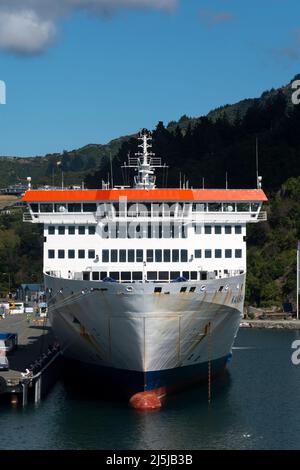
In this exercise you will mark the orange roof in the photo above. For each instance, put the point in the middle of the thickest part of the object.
(87, 195)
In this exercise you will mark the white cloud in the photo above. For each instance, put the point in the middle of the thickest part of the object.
(24, 32)
(29, 26)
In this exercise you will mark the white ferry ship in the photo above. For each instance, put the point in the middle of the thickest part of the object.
(146, 285)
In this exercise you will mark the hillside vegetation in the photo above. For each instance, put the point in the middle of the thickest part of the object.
(201, 151)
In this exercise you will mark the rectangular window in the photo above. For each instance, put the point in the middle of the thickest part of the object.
(254, 206)
(71, 254)
(183, 256)
(139, 256)
(207, 229)
(44, 208)
(89, 207)
(158, 256)
(105, 256)
(229, 207)
(160, 231)
(126, 276)
(61, 254)
(51, 230)
(198, 228)
(228, 229)
(174, 275)
(122, 256)
(60, 207)
(152, 275)
(81, 229)
(218, 253)
(199, 207)
(114, 256)
(194, 275)
(103, 275)
(130, 256)
(243, 207)
(71, 229)
(61, 230)
(86, 275)
(166, 230)
(186, 275)
(238, 229)
(51, 254)
(92, 229)
(238, 253)
(228, 253)
(95, 276)
(137, 276)
(81, 254)
(218, 229)
(114, 275)
(207, 253)
(198, 254)
(214, 207)
(149, 256)
(122, 230)
(175, 256)
(163, 275)
(91, 254)
(167, 256)
(35, 207)
(74, 207)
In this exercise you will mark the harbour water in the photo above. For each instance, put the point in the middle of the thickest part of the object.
(256, 405)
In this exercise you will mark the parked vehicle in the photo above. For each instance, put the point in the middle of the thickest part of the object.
(4, 364)
(8, 341)
(16, 307)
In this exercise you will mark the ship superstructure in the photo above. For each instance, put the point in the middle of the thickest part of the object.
(139, 277)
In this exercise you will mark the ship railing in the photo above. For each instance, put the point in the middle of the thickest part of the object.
(224, 217)
(262, 216)
(27, 217)
(234, 272)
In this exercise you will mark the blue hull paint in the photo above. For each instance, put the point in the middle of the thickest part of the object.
(130, 382)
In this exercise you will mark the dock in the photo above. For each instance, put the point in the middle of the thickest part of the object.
(34, 365)
(271, 324)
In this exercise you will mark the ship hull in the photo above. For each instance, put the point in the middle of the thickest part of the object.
(131, 339)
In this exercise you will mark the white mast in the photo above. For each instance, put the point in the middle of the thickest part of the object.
(144, 162)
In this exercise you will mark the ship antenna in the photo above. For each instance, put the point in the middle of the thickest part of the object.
(258, 178)
(111, 172)
(144, 162)
(226, 179)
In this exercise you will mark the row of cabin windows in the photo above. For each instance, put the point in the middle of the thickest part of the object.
(218, 229)
(138, 275)
(227, 253)
(151, 256)
(72, 230)
(145, 209)
(71, 254)
(142, 230)
(157, 256)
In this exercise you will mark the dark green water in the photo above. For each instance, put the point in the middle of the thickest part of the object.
(256, 405)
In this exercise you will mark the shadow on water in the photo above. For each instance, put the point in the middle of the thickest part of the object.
(254, 405)
(186, 420)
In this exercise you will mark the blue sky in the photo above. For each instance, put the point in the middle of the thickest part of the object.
(105, 75)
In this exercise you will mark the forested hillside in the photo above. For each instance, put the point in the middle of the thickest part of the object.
(201, 151)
